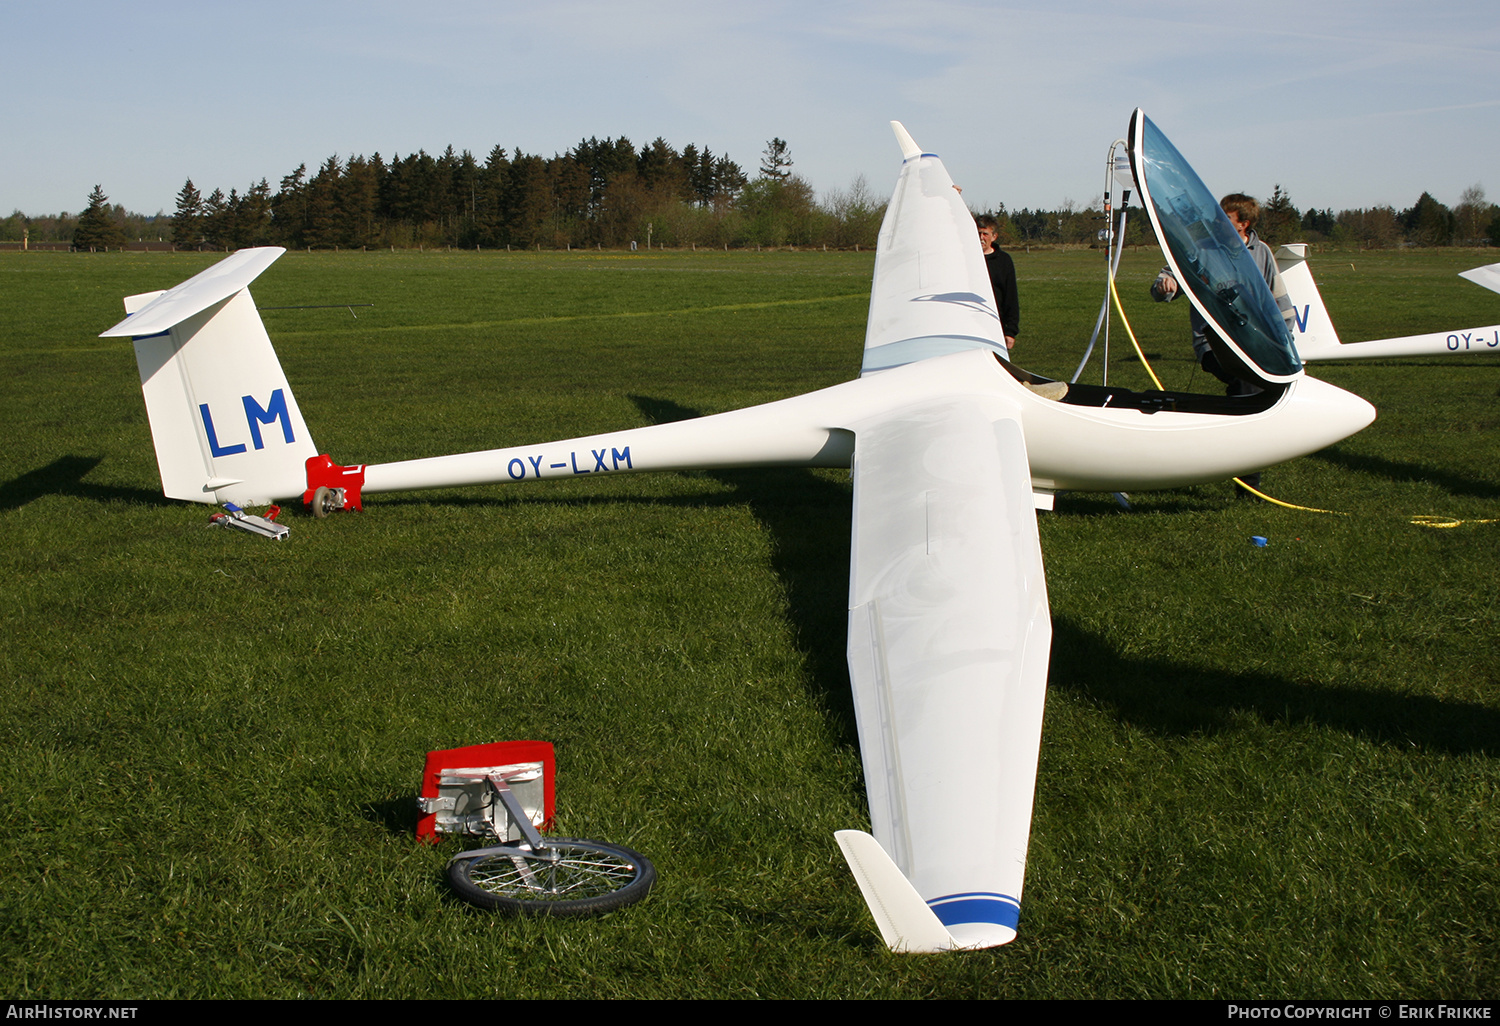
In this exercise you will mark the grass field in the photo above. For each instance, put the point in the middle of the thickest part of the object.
(1264, 772)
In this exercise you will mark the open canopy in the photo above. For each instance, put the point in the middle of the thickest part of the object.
(1206, 256)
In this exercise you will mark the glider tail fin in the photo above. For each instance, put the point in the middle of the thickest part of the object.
(1317, 340)
(1312, 328)
(223, 419)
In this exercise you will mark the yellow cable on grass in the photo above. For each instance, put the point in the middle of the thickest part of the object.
(1436, 521)
(1307, 509)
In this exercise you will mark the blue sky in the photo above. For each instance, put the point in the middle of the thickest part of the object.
(1345, 104)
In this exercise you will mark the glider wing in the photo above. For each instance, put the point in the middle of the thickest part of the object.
(1488, 276)
(932, 293)
(949, 635)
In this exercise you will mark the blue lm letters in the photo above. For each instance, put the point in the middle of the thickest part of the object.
(275, 410)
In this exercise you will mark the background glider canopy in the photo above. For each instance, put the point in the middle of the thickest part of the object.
(1207, 256)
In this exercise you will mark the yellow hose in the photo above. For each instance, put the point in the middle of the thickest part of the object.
(1308, 509)
(1428, 520)
(1114, 294)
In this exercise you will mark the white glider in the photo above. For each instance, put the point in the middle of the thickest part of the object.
(951, 448)
(1318, 340)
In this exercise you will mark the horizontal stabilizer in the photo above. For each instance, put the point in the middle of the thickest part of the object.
(907, 924)
(135, 304)
(198, 293)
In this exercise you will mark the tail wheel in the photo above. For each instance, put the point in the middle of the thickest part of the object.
(325, 501)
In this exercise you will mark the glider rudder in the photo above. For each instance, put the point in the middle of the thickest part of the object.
(224, 422)
(1312, 328)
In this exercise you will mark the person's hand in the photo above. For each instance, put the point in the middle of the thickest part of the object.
(1168, 285)
(1010, 341)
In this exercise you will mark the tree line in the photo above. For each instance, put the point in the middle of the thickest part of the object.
(607, 193)
(1427, 222)
(602, 193)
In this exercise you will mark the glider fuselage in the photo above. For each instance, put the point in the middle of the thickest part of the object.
(1070, 446)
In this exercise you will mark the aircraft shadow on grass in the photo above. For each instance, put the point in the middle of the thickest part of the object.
(1177, 701)
(1398, 470)
(808, 518)
(64, 476)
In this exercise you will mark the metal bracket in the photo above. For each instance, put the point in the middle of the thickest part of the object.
(264, 526)
(504, 802)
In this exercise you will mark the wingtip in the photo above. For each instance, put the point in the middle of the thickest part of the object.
(906, 923)
(909, 147)
(1487, 276)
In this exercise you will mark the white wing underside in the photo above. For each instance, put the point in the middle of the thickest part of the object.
(949, 635)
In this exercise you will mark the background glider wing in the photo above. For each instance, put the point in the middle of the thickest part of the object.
(949, 635)
(932, 293)
(1488, 276)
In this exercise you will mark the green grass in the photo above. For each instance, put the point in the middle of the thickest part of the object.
(1265, 772)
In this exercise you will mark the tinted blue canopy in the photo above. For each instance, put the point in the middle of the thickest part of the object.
(1204, 251)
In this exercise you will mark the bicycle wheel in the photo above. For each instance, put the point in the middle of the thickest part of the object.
(570, 877)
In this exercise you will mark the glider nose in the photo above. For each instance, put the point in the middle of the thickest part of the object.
(1329, 414)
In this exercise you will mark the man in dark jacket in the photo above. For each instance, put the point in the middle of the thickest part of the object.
(1002, 278)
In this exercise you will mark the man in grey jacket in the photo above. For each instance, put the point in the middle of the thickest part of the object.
(1243, 212)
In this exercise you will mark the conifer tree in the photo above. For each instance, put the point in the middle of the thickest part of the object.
(1279, 219)
(1428, 222)
(776, 160)
(216, 219)
(289, 208)
(255, 215)
(97, 228)
(728, 180)
(187, 223)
